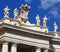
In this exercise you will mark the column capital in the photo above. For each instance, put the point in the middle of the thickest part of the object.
(38, 47)
(14, 44)
(5, 43)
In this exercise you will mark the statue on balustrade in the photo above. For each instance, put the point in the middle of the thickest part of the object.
(6, 12)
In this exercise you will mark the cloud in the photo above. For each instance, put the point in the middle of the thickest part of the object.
(45, 4)
(54, 13)
(28, 1)
(52, 6)
(58, 0)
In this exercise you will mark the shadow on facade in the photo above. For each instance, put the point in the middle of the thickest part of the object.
(25, 48)
(52, 49)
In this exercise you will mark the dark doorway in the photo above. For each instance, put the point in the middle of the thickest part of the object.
(25, 48)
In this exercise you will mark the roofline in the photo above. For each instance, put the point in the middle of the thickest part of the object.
(25, 29)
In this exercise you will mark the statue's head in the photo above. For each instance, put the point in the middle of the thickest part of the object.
(24, 8)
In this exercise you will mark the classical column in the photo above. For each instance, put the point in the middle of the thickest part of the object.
(46, 50)
(38, 50)
(5, 47)
(14, 48)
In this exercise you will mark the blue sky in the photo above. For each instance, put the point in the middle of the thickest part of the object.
(50, 8)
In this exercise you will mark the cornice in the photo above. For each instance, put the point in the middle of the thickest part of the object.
(26, 30)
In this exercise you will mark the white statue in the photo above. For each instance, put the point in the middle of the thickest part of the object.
(38, 20)
(44, 21)
(6, 12)
(15, 13)
(55, 27)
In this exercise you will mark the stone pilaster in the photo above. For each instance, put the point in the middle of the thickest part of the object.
(5, 47)
(14, 48)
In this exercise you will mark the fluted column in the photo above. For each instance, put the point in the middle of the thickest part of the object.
(5, 47)
(14, 48)
(38, 50)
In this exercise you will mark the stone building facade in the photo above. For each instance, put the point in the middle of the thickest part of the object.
(19, 35)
